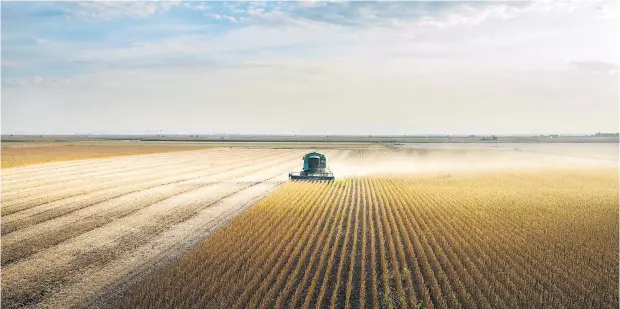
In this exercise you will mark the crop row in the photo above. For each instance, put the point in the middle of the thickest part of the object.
(519, 240)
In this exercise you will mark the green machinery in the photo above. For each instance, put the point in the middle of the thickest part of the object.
(315, 168)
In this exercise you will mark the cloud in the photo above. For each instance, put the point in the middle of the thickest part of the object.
(503, 34)
(107, 10)
(413, 59)
(13, 64)
(216, 16)
(201, 7)
(438, 14)
(230, 18)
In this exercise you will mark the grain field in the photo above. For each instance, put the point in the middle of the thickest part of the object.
(74, 230)
(509, 239)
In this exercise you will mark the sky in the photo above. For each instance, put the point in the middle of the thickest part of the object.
(310, 67)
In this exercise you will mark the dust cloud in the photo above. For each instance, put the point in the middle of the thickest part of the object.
(447, 160)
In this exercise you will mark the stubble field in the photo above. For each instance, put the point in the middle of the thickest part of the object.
(73, 229)
(16, 154)
(398, 229)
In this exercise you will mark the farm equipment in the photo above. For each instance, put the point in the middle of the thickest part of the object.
(315, 168)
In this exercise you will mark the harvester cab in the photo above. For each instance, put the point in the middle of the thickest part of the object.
(315, 168)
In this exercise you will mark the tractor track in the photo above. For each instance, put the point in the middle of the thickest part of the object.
(50, 181)
(58, 169)
(173, 173)
(45, 196)
(23, 242)
(61, 252)
(164, 248)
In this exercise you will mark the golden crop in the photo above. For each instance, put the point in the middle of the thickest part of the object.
(500, 240)
(20, 156)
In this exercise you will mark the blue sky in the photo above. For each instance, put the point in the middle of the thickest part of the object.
(83, 26)
(372, 67)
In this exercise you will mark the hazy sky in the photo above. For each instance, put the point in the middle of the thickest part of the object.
(312, 67)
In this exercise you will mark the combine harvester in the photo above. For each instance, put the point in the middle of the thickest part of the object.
(315, 168)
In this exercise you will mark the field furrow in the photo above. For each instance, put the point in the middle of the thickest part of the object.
(290, 271)
(109, 234)
(396, 272)
(51, 183)
(183, 229)
(225, 228)
(355, 253)
(62, 169)
(80, 199)
(284, 254)
(336, 295)
(322, 277)
(49, 196)
(308, 256)
(404, 242)
(21, 243)
(365, 288)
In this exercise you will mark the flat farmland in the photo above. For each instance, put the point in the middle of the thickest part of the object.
(73, 229)
(499, 240)
(425, 227)
(26, 153)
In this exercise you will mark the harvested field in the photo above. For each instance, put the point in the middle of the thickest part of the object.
(20, 154)
(509, 239)
(438, 228)
(73, 230)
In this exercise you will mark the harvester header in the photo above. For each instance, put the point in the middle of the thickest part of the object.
(314, 168)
